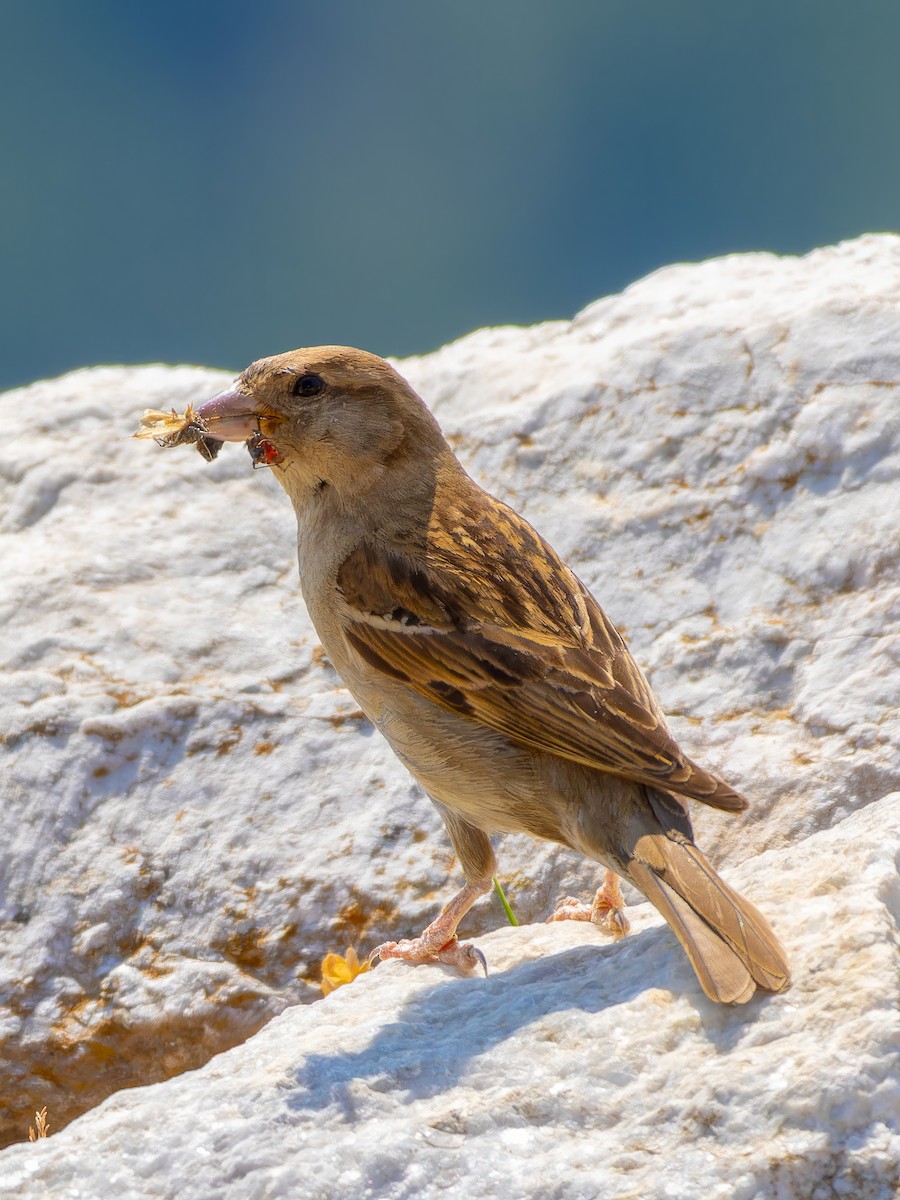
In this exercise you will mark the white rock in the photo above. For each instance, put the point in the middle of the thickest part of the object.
(577, 1070)
(194, 813)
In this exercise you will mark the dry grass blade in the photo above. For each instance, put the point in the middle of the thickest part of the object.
(171, 429)
(41, 1126)
(156, 423)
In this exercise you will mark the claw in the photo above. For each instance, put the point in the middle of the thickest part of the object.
(464, 956)
(615, 922)
(375, 954)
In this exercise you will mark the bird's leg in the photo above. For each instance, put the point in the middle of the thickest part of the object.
(438, 942)
(606, 912)
(608, 909)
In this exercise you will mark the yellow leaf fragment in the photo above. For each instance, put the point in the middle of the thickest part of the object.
(337, 970)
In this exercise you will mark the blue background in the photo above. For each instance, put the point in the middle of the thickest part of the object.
(214, 181)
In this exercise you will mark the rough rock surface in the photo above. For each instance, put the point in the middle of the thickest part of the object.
(194, 812)
(576, 1071)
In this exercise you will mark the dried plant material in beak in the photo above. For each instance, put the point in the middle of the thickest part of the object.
(170, 429)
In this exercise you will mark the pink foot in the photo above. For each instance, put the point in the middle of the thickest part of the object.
(462, 955)
(570, 909)
(606, 912)
(438, 942)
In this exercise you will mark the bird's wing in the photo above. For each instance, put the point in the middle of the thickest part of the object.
(490, 624)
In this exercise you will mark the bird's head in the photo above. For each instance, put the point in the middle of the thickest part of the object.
(334, 416)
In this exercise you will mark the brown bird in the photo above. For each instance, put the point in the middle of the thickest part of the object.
(487, 665)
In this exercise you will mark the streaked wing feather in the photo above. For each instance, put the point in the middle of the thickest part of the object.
(524, 649)
(535, 704)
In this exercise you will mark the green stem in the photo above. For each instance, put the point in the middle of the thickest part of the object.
(510, 915)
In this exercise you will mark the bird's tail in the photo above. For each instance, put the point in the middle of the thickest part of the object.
(732, 947)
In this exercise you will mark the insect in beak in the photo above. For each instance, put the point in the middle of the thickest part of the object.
(262, 452)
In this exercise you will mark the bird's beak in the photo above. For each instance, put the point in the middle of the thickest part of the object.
(231, 416)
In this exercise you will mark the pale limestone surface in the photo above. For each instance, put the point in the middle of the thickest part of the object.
(576, 1071)
(193, 812)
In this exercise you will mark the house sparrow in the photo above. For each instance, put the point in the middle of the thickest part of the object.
(487, 665)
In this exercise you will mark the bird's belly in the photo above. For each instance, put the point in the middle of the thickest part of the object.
(472, 770)
(476, 773)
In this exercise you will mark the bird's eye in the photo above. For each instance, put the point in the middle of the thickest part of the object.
(308, 385)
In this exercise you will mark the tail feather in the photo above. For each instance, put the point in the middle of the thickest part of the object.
(721, 973)
(730, 944)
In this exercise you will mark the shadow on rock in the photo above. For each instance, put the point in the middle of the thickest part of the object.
(441, 1030)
